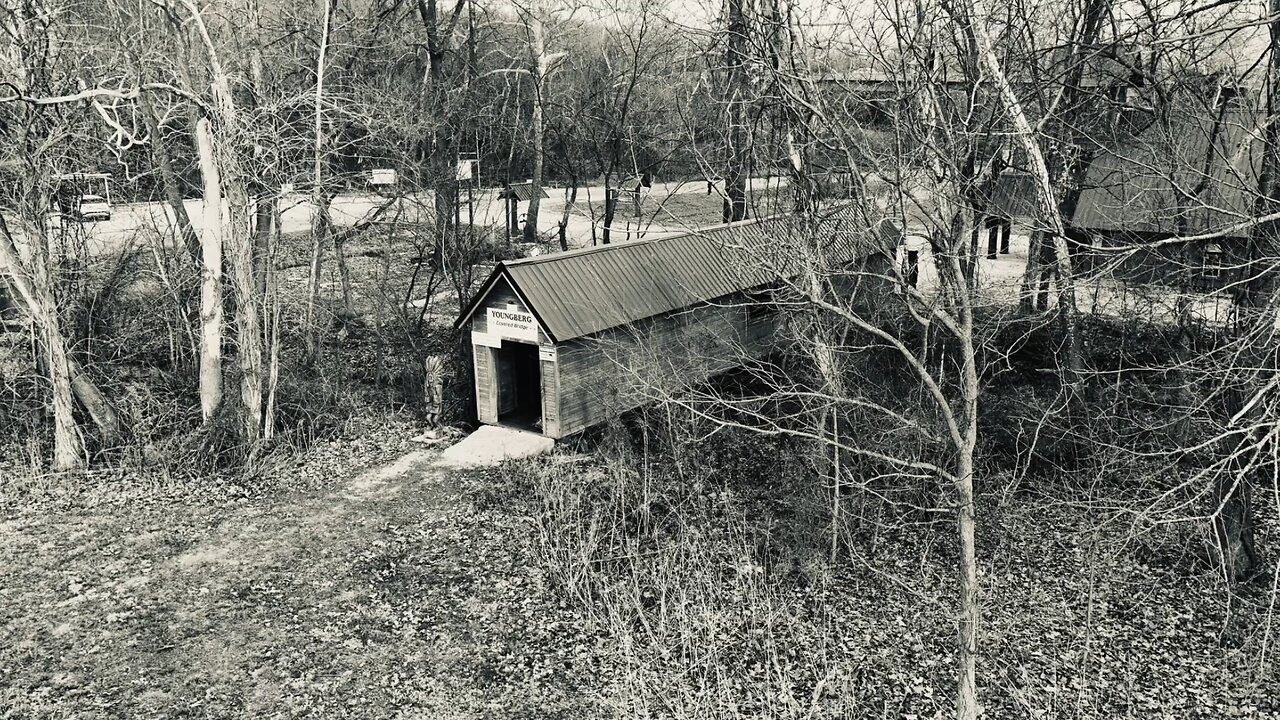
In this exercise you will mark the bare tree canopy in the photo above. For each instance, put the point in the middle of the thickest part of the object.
(892, 359)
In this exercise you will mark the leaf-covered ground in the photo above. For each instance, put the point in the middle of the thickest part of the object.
(345, 591)
(1081, 618)
(364, 582)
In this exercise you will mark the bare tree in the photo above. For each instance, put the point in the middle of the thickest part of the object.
(540, 64)
(227, 129)
(33, 133)
(210, 276)
(33, 290)
(738, 40)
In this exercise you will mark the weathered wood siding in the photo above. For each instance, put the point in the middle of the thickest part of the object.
(623, 368)
(502, 296)
(595, 378)
(551, 398)
(486, 384)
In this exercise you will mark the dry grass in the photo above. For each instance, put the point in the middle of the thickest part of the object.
(725, 605)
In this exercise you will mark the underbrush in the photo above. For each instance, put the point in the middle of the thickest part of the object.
(707, 565)
(131, 320)
(702, 629)
(141, 364)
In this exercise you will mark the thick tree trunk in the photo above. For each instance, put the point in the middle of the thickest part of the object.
(210, 276)
(1233, 522)
(266, 199)
(320, 222)
(570, 199)
(610, 211)
(538, 49)
(34, 287)
(236, 236)
(272, 296)
(68, 444)
(247, 316)
(264, 214)
(348, 311)
(736, 170)
(99, 408)
(321, 230)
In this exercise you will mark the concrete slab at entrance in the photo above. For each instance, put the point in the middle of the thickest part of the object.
(491, 444)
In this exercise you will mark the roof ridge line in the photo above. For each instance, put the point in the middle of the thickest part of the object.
(643, 240)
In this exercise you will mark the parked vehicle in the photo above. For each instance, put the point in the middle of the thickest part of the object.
(92, 207)
(83, 197)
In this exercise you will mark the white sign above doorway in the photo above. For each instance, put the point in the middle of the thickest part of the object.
(514, 324)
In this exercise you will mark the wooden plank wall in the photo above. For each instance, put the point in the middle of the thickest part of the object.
(550, 398)
(501, 296)
(486, 385)
(623, 368)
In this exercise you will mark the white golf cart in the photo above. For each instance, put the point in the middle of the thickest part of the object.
(84, 197)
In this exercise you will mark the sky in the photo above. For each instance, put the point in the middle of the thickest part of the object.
(855, 24)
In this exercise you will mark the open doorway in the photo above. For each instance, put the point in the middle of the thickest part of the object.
(519, 385)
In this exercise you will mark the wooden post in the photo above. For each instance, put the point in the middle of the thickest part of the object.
(486, 385)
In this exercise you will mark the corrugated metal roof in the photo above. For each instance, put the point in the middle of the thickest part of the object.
(1136, 186)
(585, 291)
(521, 191)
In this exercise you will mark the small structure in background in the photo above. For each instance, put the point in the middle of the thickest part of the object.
(634, 189)
(467, 176)
(514, 194)
(1013, 194)
(563, 342)
(1146, 191)
(912, 245)
(381, 179)
(468, 168)
(83, 197)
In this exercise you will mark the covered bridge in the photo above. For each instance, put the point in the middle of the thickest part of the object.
(564, 342)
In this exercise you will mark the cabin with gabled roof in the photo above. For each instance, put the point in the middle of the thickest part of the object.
(514, 194)
(1196, 174)
(564, 342)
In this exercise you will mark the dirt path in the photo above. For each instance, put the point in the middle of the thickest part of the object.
(403, 591)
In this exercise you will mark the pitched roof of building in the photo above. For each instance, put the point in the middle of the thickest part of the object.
(1013, 194)
(521, 191)
(585, 291)
(1197, 173)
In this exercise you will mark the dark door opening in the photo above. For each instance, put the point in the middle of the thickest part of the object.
(519, 385)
